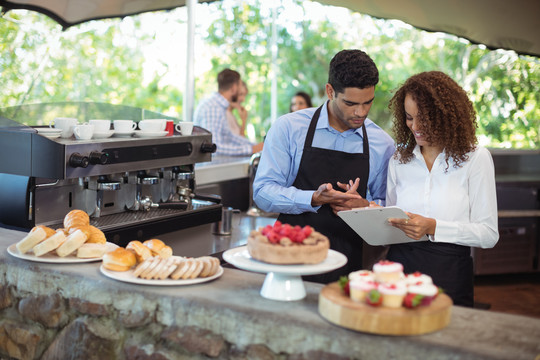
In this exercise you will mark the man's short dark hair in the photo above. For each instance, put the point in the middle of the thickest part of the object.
(352, 68)
(227, 78)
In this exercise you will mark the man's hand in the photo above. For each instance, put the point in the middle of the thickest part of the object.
(416, 226)
(326, 194)
(350, 188)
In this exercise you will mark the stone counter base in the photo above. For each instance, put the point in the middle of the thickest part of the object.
(54, 327)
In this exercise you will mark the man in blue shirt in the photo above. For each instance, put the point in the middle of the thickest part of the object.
(311, 155)
(211, 114)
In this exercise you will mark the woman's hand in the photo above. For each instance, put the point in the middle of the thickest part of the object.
(416, 226)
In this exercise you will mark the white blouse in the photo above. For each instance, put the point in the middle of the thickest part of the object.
(463, 200)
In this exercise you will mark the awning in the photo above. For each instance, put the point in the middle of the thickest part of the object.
(513, 25)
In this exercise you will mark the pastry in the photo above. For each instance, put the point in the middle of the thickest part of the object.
(285, 244)
(48, 230)
(72, 243)
(359, 289)
(427, 291)
(85, 229)
(388, 271)
(49, 244)
(418, 278)
(34, 237)
(76, 219)
(90, 251)
(119, 259)
(393, 293)
(364, 275)
(96, 236)
(158, 248)
(141, 251)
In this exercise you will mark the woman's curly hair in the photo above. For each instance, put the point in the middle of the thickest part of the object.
(446, 114)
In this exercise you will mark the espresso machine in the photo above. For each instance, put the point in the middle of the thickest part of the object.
(133, 188)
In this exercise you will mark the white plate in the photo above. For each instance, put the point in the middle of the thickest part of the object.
(240, 258)
(52, 258)
(103, 135)
(127, 276)
(123, 133)
(141, 133)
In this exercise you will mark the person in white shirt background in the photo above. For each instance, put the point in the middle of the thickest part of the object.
(236, 106)
(211, 114)
(444, 181)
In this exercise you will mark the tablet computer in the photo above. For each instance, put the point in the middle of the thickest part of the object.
(372, 225)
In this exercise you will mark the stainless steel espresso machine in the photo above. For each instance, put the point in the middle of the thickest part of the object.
(132, 187)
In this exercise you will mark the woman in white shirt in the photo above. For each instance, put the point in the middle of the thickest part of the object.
(443, 180)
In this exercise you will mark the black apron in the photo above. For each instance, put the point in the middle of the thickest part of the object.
(319, 166)
(449, 265)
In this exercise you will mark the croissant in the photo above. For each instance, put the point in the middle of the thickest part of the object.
(96, 236)
(50, 232)
(141, 251)
(76, 219)
(158, 248)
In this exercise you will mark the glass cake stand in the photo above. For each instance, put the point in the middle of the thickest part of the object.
(283, 282)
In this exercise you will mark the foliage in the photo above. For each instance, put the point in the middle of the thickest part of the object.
(41, 63)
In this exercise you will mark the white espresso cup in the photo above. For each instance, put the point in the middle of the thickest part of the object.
(100, 126)
(152, 125)
(65, 124)
(83, 132)
(124, 125)
(185, 127)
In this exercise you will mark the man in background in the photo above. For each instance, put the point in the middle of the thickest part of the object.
(211, 114)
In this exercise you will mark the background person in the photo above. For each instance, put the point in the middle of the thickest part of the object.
(211, 114)
(301, 100)
(236, 127)
(444, 180)
(308, 152)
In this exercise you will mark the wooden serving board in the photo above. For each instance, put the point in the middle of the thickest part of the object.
(339, 309)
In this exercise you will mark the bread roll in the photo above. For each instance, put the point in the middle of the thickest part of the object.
(85, 229)
(141, 251)
(158, 248)
(34, 237)
(49, 244)
(72, 243)
(91, 251)
(96, 236)
(48, 230)
(119, 259)
(76, 219)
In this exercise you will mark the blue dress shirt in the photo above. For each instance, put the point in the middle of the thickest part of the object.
(283, 149)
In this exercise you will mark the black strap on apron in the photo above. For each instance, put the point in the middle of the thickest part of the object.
(319, 166)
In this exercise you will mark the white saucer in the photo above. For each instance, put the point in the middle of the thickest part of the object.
(49, 132)
(103, 135)
(123, 133)
(141, 133)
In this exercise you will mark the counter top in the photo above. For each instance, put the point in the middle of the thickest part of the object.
(231, 310)
(222, 168)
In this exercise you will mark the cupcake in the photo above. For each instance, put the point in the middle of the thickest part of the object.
(364, 275)
(393, 294)
(388, 271)
(428, 291)
(359, 288)
(418, 278)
